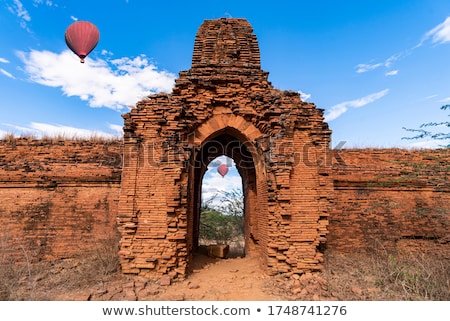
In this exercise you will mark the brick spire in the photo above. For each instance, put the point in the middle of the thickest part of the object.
(226, 42)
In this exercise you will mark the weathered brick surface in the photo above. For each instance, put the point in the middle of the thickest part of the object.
(58, 199)
(55, 205)
(224, 105)
(391, 197)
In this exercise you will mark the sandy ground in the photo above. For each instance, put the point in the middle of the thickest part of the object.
(232, 279)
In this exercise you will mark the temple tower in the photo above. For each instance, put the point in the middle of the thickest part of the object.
(224, 105)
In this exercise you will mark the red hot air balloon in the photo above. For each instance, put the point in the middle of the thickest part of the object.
(222, 169)
(82, 37)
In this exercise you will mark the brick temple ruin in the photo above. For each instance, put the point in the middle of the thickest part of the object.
(61, 198)
(224, 105)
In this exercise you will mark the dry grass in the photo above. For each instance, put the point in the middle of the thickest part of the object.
(11, 138)
(14, 276)
(45, 280)
(386, 276)
(377, 276)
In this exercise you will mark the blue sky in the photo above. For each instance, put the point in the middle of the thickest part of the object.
(375, 66)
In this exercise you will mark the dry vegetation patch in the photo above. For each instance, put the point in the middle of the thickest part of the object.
(379, 275)
(388, 276)
(65, 279)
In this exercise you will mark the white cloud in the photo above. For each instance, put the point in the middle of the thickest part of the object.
(304, 96)
(19, 10)
(74, 18)
(68, 131)
(105, 52)
(445, 100)
(430, 97)
(3, 134)
(118, 129)
(113, 84)
(361, 68)
(7, 74)
(392, 73)
(427, 144)
(337, 110)
(3, 71)
(214, 184)
(439, 34)
(48, 3)
(51, 130)
(20, 129)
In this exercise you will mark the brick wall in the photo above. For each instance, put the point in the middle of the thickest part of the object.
(389, 198)
(58, 198)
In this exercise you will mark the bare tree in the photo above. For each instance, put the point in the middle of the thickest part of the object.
(425, 131)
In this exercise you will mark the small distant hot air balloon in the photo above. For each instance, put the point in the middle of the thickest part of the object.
(82, 37)
(222, 169)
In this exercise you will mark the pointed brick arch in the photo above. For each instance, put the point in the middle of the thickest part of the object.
(226, 120)
(225, 98)
(234, 137)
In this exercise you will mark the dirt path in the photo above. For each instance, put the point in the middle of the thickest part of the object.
(237, 279)
(231, 279)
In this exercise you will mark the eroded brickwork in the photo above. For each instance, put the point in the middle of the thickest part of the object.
(386, 198)
(58, 198)
(224, 105)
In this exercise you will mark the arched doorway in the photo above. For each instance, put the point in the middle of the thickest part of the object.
(221, 231)
(233, 144)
